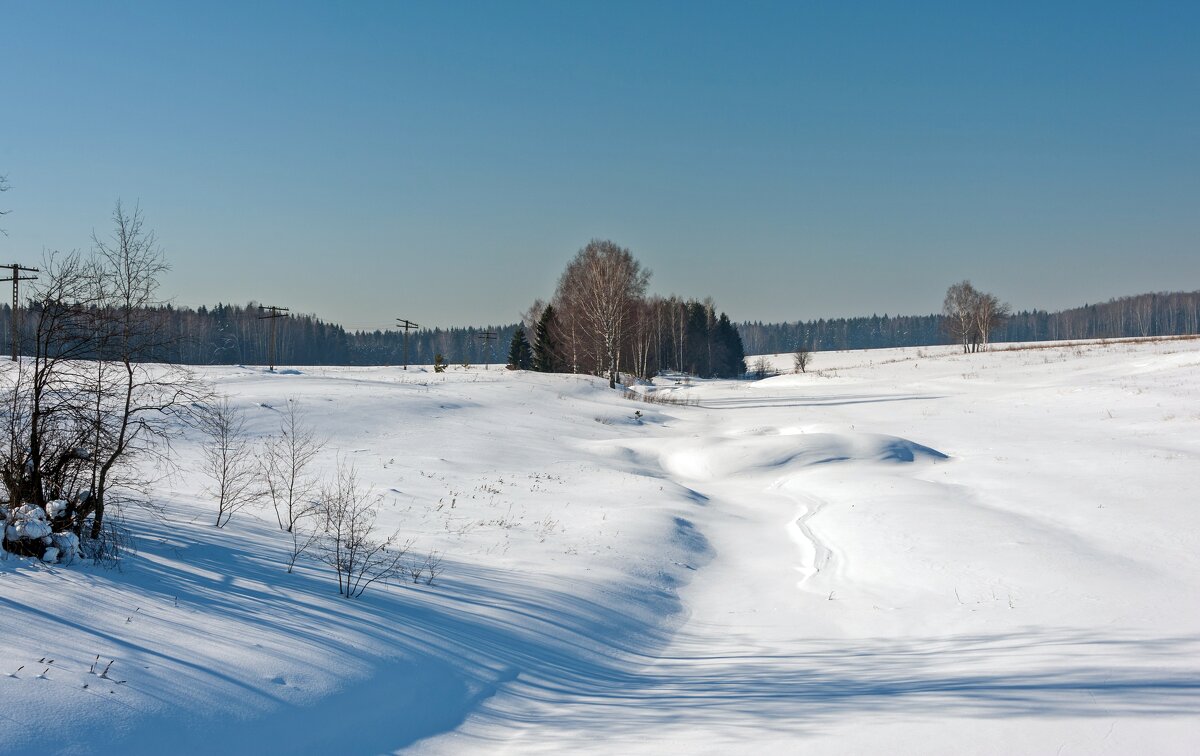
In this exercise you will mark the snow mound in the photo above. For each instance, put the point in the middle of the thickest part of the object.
(725, 456)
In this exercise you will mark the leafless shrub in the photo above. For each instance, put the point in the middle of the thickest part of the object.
(801, 359)
(433, 567)
(347, 543)
(762, 369)
(283, 465)
(415, 569)
(109, 546)
(226, 459)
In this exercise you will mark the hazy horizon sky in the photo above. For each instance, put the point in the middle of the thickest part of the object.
(443, 161)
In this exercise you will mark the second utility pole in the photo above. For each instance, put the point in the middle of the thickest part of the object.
(405, 324)
(488, 337)
(276, 312)
(16, 277)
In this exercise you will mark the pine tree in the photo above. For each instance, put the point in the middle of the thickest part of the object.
(732, 362)
(520, 355)
(543, 347)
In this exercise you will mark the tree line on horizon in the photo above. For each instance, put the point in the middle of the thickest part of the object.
(227, 334)
(1137, 316)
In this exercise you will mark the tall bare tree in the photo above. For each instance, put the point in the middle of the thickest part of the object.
(87, 406)
(970, 315)
(959, 310)
(284, 467)
(989, 313)
(139, 394)
(227, 461)
(600, 288)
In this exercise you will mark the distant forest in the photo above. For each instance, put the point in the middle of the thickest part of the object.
(234, 334)
(1160, 314)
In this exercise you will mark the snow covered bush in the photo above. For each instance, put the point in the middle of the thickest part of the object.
(67, 544)
(27, 532)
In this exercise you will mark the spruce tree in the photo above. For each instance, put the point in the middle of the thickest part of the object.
(543, 347)
(520, 355)
(730, 355)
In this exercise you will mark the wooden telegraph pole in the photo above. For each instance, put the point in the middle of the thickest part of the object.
(488, 337)
(275, 314)
(405, 324)
(16, 278)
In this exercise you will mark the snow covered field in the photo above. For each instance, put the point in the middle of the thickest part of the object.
(901, 551)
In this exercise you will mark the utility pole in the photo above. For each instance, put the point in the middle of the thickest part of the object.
(488, 337)
(16, 278)
(275, 313)
(405, 324)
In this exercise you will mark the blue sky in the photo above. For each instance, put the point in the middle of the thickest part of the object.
(443, 161)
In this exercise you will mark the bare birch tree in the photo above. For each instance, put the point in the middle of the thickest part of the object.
(227, 460)
(970, 315)
(137, 393)
(284, 465)
(959, 310)
(989, 312)
(600, 287)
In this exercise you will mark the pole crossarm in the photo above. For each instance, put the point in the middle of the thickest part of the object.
(273, 314)
(406, 324)
(16, 278)
(488, 337)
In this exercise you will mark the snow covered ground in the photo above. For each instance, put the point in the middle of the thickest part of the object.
(900, 551)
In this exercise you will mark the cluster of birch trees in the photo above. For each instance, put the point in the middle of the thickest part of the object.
(972, 315)
(602, 322)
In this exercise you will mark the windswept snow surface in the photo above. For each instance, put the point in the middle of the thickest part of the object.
(904, 551)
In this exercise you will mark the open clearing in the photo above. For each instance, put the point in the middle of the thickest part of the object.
(907, 550)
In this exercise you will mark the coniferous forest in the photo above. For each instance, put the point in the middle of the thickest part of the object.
(1144, 315)
(227, 334)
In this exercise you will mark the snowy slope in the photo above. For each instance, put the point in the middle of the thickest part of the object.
(904, 551)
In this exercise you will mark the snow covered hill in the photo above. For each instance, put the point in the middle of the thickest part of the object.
(900, 551)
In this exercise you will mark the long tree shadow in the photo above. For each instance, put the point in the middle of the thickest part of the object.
(417, 661)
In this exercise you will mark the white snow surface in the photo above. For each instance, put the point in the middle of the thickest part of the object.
(901, 551)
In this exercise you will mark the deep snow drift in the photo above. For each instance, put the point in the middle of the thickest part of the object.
(903, 551)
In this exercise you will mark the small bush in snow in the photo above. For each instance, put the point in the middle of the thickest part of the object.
(801, 359)
(762, 369)
(108, 546)
(284, 467)
(227, 460)
(348, 544)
